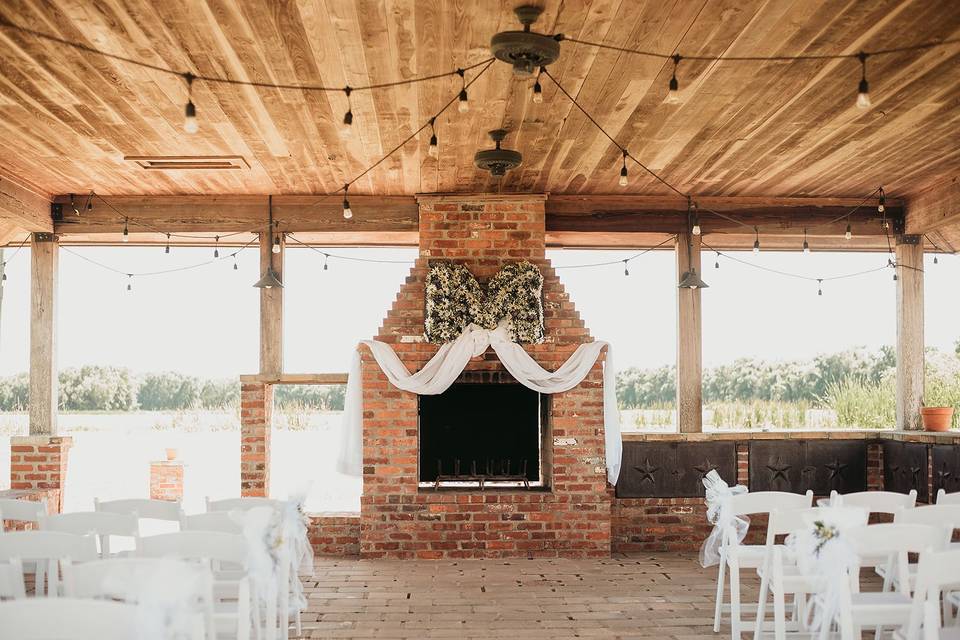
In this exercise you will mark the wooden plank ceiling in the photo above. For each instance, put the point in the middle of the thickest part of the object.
(769, 129)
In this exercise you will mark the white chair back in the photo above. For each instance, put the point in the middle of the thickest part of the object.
(142, 507)
(241, 504)
(942, 497)
(117, 578)
(786, 522)
(936, 573)
(945, 516)
(68, 619)
(24, 510)
(768, 501)
(896, 541)
(47, 549)
(101, 524)
(220, 521)
(888, 502)
(11, 580)
(195, 545)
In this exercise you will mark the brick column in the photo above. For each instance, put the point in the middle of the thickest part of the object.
(875, 466)
(166, 480)
(256, 412)
(40, 463)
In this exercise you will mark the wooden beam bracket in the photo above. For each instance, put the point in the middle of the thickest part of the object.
(56, 211)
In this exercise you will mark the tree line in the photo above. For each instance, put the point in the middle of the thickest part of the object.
(102, 388)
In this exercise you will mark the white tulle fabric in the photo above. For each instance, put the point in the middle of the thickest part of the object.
(167, 594)
(450, 361)
(719, 514)
(827, 559)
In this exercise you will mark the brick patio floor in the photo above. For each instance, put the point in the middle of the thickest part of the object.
(663, 595)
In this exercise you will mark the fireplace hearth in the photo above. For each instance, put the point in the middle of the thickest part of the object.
(482, 435)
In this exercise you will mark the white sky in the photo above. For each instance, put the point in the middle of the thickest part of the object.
(204, 321)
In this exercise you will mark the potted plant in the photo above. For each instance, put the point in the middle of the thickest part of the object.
(936, 418)
(937, 414)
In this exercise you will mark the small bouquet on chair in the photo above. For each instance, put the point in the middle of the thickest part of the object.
(717, 497)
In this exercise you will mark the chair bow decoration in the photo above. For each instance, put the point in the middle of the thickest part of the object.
(455, 300)
(167, 594)
(718, 494)
(825, 553)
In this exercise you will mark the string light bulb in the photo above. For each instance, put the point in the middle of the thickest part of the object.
(806, 245)
(626, 271)
(673, 92)
(326, 257)
(537, 92)
(166, 249)
(935, 260)
(463, 103)
(216, 246)
(849, 233)
(348, 116)
(190, 124)
(863, 91)
(3, 268)
(126, 230)
(129, 282)
(819, 286)
(347, 211)
(623, 170)
(276, 242)
(90, 202)
(756, 242)
(235, 267)
(73, 205)
(433, 150)
(716, 265)
(695, 230)
(882, 201)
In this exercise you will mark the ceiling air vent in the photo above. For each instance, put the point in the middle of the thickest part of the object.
(181, 163)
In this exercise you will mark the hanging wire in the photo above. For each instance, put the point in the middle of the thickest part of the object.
(619, 261)
(327, 254)
(142, 274)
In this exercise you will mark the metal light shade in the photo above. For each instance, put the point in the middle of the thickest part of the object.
(269, 280)
(691, 280)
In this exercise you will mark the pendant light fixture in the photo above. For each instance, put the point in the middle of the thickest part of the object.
(691, 279)
(497, 161)
(270, 279)
(525, 50)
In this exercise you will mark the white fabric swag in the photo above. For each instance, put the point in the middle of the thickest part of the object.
(450, 361)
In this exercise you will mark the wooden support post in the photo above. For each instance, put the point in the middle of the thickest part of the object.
(271, 309)
(689, 361)
(910, 361)
(43, 334)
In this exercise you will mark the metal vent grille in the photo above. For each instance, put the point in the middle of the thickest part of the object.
(189, 163)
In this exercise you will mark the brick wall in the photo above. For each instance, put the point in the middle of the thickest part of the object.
(40, 462)
(398, 520)
(256, 410)
(335, 534)
(166, 480)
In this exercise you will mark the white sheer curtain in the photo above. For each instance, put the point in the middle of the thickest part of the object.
(450, 361)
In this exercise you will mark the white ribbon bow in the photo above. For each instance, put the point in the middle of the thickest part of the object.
(718, 494)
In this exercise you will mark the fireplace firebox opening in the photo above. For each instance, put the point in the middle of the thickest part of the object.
(486, 436)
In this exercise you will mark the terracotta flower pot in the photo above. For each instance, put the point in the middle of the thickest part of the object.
(172, 453)
(936, 418)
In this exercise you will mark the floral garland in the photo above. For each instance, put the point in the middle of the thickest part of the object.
(454, 299)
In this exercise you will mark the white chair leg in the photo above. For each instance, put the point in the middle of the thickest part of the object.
(779, 615)
(762, 605)
(735, 602)
(719, 606)
(243, 611)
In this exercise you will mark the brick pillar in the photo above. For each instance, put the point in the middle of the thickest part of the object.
(875, 466)
(40, 463)
(166, 480)
(256, 412)
(743, 464)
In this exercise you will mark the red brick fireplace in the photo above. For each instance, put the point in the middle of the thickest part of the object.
(571, 515)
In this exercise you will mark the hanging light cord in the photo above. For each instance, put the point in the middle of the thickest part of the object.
(13, 255)
(621, 261)
(327, 254)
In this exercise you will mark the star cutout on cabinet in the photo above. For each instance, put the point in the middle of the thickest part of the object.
(779, 470)
(706, 467)
(647, 470)
(836, 469)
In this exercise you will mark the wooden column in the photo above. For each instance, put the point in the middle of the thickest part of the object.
(43, 334)
(271, 309)
(689, 364)
(910, 361)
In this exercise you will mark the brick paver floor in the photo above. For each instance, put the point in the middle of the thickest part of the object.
(664, 595)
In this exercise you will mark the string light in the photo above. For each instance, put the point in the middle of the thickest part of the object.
(935, 260)
(806, 245)
(433, 149)
(673, 93)
(3, 268)
(73, 205)
(849, 233)
(347, 211)
(216, 247)
(276, 242)
(235, 267)
(129, 282)
(538, 89)
(623, 170)
(626, 271)
(881, 201)
(190, 124)
(716, 265)
(863, 91)
(126, 230)
(90, 202)
(167, 248)
(463, 105)
(819, 286)
(756, 243)
(696, 230)
(348, 116)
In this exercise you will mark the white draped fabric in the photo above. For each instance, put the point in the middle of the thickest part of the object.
(450, 361)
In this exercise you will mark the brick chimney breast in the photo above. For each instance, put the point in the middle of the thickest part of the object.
(399, 519)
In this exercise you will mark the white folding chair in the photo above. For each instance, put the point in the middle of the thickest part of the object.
(241, 504)
(948, 498)
(101, 524)
(133, 579)
(735, 556)
(879, 609)
(47, 549)
(143, 508)
(936, 573)
(231, 591)
(779, 574)
(22, 510)
(220, 521)
(11, 580)
(68, 619)
(888, 502)
(944, 516)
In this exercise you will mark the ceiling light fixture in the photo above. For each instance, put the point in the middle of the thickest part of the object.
(497, 161)
(525, 50)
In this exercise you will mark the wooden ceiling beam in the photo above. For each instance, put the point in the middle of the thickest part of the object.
(935, 208)
(23, 205)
